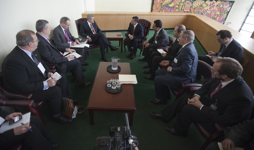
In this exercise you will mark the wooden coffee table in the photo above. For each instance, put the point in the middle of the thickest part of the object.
(115, 36)
(101, 100)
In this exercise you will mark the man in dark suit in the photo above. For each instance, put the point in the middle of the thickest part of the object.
(240, 135)
(53, 56)
(64, 40)
(226, 100)
(38, 139)
(135, 35)
(182, 69)
(159, 39)
(171, 50)
(91, 31)
(229, 48)
(24, 72)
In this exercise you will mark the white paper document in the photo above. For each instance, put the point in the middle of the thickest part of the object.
(81, 45)
(25, 119)
(76, 55)
(56, 76)
(236, 148)
(127, 79)
(1, 120)
(161, 51)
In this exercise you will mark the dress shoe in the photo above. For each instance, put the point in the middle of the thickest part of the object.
(105, 59)
(83, 69)
(114, 48)
(147, 71)
(128, 56)
(155, 115)
(158, 101)
(149, 77)
(83, 84)
(145, 66)
(62, 119)
(133, 56)
(85, 64)
(173, 131)
(54, 146)
(142, 59)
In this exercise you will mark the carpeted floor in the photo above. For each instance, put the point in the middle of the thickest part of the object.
(80, 135)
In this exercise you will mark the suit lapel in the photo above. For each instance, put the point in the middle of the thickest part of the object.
(225, 90)
(62, 33)
(45, 41)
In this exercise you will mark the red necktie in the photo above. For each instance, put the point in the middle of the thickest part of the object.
(50, 44)
(92, 28)
(219, 87)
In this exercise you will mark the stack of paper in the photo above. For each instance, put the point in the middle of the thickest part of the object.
(81, 45)
(161, 51)
(127, 79)
(76, 55)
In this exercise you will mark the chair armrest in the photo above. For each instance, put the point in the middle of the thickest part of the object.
(219, 127)
(51, 66)
(192, 85)
(25, 103)
(16, 96)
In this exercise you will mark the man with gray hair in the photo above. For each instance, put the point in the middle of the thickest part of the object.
(24, 72)
(183, 68)
(90, 30)
(64, 40)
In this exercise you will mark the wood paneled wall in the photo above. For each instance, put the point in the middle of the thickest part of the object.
(204, 28)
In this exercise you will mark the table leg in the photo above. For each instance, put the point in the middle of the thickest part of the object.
(131, 114)
(91, 117)
(121, 45)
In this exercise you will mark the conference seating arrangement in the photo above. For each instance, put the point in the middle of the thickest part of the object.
(205, 71)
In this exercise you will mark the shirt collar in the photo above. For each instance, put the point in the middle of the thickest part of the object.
(226, 83)
(159, 31)
(185, 45)
(27, 52)
(228, 42)
(135, 25)
(43, 37)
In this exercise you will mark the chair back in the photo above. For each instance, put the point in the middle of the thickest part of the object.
(205, 70)
(146, 27)
(171, 39)
(78, 24)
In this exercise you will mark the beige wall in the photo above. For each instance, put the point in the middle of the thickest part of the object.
(238, 13)
(17, 15)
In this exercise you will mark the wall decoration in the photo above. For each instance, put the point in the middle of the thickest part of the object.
(215, 9)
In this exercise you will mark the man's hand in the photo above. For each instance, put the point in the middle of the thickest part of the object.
(211, 53)
(169, 68)
(131, 37)
(147, 44)
(51, 82)
(167, 48)
(70, 57)
(89, 39)
(195, 101)
(70, 50)
(12, 115)
(73, 43)
(164, 54)
(225, 143)
(164, 63)
(77, 42)
(21, 129)
(50, 74)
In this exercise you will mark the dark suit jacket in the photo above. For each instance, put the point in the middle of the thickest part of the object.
(234, 50)
(242, 134)
(85, 30)
(20, 73)
(60, 38)
(50, 53)
(234, 102)
(162, 39)
(138, 32)
(186, 66)
(174, 48)
(7, 134)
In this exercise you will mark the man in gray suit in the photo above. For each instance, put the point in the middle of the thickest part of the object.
(63, 39)
(159, 39)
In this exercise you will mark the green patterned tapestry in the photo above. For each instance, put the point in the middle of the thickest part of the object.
(217, 10)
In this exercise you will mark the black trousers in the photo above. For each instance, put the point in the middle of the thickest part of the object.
(83, 53)
(187, 114)
(153, 62)
(100, 39)
(133, 45)
(75, 67)
(147, 51)
(38, 139)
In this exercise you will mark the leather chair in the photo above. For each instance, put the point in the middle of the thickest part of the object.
(146, 27)
(205, 70)
(171, 41)
(34, 108)
(18, 103)
(78, 24)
